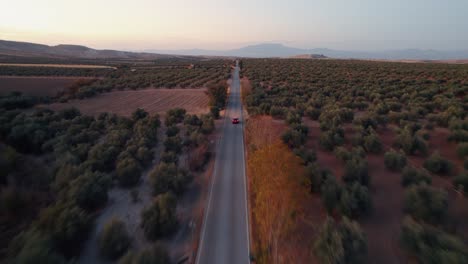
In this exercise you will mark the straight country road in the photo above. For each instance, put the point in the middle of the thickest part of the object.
(225, 233)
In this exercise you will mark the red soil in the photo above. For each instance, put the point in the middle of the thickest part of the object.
(36, 86)
(124, 103)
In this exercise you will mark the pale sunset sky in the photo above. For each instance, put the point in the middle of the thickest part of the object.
(219, 24)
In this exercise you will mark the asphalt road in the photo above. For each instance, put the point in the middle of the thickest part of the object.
(224, 237)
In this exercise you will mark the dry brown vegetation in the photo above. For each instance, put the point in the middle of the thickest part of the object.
(275, 176)
(152, 100)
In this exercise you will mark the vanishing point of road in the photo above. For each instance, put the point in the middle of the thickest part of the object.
(225, 234)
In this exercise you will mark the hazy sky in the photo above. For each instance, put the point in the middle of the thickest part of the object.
(220, 24)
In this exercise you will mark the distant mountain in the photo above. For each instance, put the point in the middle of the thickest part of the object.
(25, 49)
(279, 50)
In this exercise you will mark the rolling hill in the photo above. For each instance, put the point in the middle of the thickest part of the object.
(26, 49)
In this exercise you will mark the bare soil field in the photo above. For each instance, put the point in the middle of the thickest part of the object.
(84, 66)
(36, 86)
(123, 103)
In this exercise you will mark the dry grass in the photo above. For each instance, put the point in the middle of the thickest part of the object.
(152, 100)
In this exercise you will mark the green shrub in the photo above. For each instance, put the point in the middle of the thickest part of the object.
(331, 138)
(414, 176)
(394, 161)
(153, 255)
(139, 114)
(175, 116)
(128, 172)
(214, 110)
(356, 170)
(167, 177)
(114, 239)
(169, 157)
(293, 138)
(316, 177)
(426, 203)
(437, 164)
(343, 242)
(461, 183)
(355, 201)
(372, 143)
(330, 193)
(306, 155)
(33, 247)
(277, 112)
(89, 190)
(173, 144)
(431, 245)
(312, 113)
(462, 150)
(67, 225)
(172, 131)
(160, 219)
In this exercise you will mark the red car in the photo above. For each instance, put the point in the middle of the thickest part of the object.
(235, 120)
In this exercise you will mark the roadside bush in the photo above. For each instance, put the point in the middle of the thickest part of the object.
(167, 177)
(437, 164)
(355, 201)
(414, 176)
(426, 203)
(461, 183)
(356, 170)
(343, 242)
(207, 124)
(160, 219)
(198, 158)
(394, 160)
(217, 92)
(114, 239)
(214, 110)
(431, 245)
(153, 255)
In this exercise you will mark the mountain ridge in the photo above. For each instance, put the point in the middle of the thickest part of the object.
(28, 49)
(280, 50)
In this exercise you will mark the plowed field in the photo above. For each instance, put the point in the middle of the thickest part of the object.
(152, 100)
